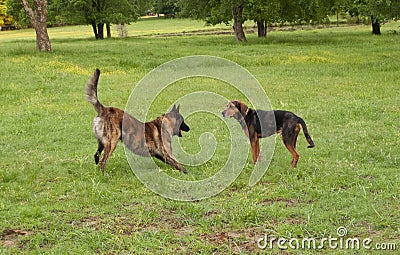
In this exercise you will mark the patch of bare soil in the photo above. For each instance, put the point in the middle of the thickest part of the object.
(288, 202)
(10, 237)
(201, 32)
(238, 241)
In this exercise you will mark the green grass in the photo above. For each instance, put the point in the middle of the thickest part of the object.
(343, 81)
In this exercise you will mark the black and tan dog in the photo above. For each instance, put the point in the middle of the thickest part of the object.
(146, 139)
(259, 124)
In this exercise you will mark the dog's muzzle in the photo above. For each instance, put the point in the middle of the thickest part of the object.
(183, 127)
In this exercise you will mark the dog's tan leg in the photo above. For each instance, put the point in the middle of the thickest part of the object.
(258, 156)
(296, 134)
(176, 164)
(172, 162)
(290, 132)
(167, 146)
(253, 143)
(108, 150)
(292, 150)
(103, 160)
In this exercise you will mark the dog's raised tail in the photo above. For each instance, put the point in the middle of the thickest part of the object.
(91, 91)
(306, 134)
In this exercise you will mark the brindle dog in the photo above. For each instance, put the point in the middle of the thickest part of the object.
(259, 124)
(146, 139)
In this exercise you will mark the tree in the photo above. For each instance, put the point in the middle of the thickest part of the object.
(16, 10)
(339, 6)
(219, 11)
(38, 16)
(379, 11)
(197, 9)
(263, 13)
(238, 20)
(97, 13)
(144, 6)
(166, 7)
(3, 9)
(283, 11)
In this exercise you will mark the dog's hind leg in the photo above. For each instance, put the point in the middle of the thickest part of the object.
(289, 137)
(108, 150)
(295, 155)
(296, 134)
(98, 152)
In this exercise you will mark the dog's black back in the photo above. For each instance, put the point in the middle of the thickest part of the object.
(271, 121)
(284, 122)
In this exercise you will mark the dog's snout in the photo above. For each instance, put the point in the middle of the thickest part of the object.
(223, 114)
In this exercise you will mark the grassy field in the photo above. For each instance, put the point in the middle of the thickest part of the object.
(144, 27)
(343, 81)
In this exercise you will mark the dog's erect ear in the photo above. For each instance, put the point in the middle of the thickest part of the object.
(173, 109)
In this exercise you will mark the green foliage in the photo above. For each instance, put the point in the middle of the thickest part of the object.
(15, 9)
(277, 11)
(77, 12)
(144, 6)
(381, 10)
(3, 9)
(293, 11)
(97, 11)
(5, 18)
(259, 10)
(197, 9)
(166, 7)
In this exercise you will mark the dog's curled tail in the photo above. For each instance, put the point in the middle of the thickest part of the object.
(91, 91)
(306, 134)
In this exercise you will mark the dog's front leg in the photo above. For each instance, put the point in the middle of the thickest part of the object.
(171, 161)
(257, 145)
(253, 144)
(167, 147)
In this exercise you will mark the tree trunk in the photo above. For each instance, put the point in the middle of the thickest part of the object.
(108, 28)
(96, 34)
(262, 28)
(376, 26)
(337, 17)
(42, 37)
(100, 30)
(38, 18)
(237, 11)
